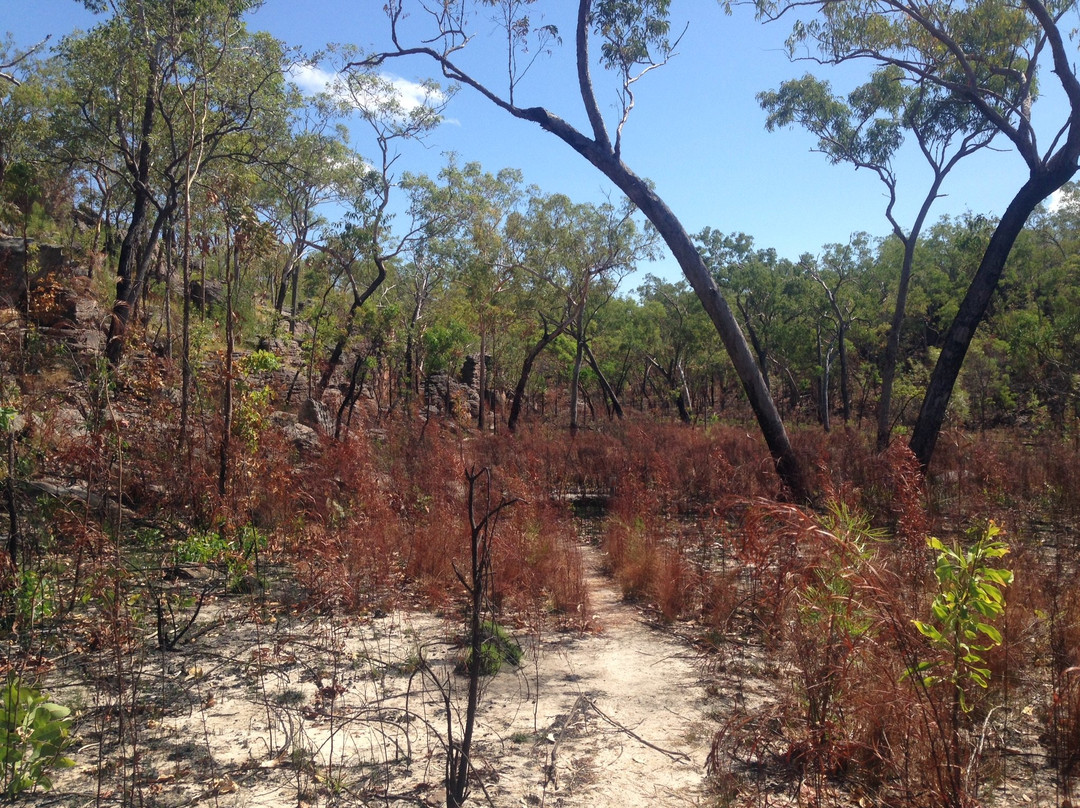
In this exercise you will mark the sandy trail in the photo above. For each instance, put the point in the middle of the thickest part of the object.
(272, 711)
(614, 717)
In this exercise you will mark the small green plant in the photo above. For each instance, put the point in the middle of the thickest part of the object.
(202, 547)
(969, 598)
(251, 540)
(33, 736)
(238, 554)
(148, 538)
(36, 598)
(260, 362)
(250, 418)
(497, 647)
(833, 623)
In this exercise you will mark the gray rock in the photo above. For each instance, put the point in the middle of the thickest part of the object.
(305, 439)
(316, 415)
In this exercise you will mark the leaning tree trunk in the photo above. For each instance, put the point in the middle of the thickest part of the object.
(616, 407)
(605, 156)
(526, 371)
(788, 467)
(973, 308)
(359, 298)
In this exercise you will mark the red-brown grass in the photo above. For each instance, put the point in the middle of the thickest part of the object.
(408, 525)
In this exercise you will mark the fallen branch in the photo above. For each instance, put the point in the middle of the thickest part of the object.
(676, 756)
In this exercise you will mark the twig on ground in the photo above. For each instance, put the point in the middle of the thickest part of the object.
(676, 756)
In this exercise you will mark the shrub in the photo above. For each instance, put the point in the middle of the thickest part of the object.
(497, 647)
(34, 733)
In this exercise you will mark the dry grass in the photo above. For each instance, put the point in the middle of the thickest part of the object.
(693, 530)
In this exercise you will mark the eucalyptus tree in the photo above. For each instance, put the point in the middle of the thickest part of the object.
(538, 242)
(838, 272)
(675, 343)
(19, 193)
(366, 242)
(589, 326)
(987, 54)
(245, 237)
(865, 130)
(576, 255)
(475, 248)
(21, 103)
(619, 249)
(460, 267)
(424, 283)
(310, 167)
(634, 38)
(13, 62)
(164, 84)
(615, 345)
(765, 289)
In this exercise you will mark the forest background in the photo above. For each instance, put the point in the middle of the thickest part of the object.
(215, 275)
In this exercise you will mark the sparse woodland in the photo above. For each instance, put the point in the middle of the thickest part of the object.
(291, 428)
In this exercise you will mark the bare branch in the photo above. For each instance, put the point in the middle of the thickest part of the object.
(6, 67)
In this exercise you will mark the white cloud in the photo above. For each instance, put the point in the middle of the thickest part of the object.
(311, 79)
(1063, 198)
(392, 91)
(410, 95)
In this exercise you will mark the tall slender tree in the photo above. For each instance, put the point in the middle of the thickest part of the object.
(866, 130)
(577, 254)
(987, 54)
(133, 80)
(634, 39)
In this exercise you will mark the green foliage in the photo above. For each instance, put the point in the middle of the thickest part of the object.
(212, 547)
(20, 193)
(498, 647)
(260, 362)
(207, 546)
(634, 33)
(250, 417)
(863, 131)
(38, 596)
(828, 602)
(149, 538)
(969, 599)
(832, 621)
(33, 736)
(445, 343)
(202, 547)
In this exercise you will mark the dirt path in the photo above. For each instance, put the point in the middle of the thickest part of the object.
(613, 719)
(263, 710)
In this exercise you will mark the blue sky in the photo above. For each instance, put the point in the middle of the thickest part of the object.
(697, 131)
